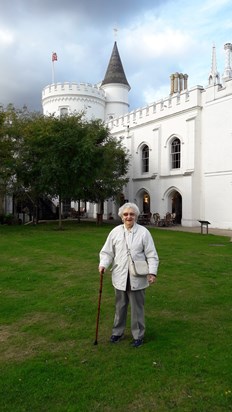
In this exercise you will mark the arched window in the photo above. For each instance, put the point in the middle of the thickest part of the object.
(145, 159)
(63, 111)
(175, 154)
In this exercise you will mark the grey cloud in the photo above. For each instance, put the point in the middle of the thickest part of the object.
(39, 27)
(81, 32)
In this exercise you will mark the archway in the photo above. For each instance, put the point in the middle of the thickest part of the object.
(176, 205)
(146, 203)
(142, 199)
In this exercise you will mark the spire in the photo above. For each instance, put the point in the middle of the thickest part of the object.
(115, 72)
(214, 77)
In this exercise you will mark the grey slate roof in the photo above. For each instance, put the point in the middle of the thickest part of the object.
(115, 72)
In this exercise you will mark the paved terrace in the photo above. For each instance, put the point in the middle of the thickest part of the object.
(197, 229)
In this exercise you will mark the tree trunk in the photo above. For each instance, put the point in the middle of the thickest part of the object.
(60, 218)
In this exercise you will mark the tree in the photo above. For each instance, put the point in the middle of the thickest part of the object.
(111, 175)
(68, 157)
(7, 150)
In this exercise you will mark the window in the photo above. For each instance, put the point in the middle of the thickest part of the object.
(145, 159)
(63, 111)
(175, 154)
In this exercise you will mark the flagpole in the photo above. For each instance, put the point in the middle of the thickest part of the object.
(53, 72)
(54, 58)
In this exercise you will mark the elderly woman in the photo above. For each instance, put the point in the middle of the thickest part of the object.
(125, 242)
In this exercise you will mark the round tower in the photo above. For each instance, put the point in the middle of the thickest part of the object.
(116, 87)
(105, 101)
(66, 98)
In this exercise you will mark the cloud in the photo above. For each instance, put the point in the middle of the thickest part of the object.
(154, 39)
(6, 37)
(154, 43)
(213, 6)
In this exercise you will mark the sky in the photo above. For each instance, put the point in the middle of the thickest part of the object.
(155, 38)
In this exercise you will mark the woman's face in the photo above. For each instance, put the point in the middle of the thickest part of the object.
(128, 217)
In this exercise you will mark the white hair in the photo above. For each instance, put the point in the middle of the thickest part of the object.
(129, 206)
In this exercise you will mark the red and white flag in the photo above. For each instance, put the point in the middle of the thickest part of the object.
(54, 57)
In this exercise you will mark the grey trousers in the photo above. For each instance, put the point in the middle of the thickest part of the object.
(136, 299)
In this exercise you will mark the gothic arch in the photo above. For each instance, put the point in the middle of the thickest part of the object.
(143, 200)
(141, 145)
(172, 137)
(143, 150)
(173, 199)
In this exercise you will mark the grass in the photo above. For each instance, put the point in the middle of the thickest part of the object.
(48, 299)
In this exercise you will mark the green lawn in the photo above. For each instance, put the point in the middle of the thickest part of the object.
(48, 308)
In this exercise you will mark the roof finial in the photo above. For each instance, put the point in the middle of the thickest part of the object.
(115, 33)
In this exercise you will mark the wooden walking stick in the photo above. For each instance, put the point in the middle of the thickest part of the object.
(99, 306)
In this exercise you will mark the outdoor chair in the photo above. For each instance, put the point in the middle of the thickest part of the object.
(156, 217)
(168, 219)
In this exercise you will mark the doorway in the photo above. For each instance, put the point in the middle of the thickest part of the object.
(177, 206)
(146, 203)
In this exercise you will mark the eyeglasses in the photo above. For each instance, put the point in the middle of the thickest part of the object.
(128, 214)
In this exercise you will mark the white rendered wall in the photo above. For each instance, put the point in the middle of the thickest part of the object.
(155, 126)
(116, 100)
(217, 156)
(75, 97)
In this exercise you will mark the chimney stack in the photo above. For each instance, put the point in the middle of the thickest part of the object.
(228, 71)
(179, 82)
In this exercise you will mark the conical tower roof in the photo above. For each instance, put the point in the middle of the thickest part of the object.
(115, 72)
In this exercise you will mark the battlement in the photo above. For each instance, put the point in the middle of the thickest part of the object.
(170, 105)
(72, 89)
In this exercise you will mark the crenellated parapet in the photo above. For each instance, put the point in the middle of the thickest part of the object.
(68, 97)
(185, 100)
(72, 89)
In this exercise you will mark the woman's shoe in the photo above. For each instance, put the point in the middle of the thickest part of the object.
(137, 343)
(115, 338)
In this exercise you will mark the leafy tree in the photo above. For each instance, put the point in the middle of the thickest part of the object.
(67, 157)
(111, 174)
(7, 151)
(33, 130)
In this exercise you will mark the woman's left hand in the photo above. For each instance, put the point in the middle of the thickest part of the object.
(151, 279)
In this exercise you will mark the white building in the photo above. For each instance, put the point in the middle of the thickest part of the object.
(180, 146)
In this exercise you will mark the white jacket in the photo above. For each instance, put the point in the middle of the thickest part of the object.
(114, 252)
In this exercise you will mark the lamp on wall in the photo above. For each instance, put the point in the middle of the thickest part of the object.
(146, 198)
